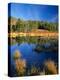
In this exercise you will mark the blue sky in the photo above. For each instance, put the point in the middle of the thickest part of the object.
(34, 12)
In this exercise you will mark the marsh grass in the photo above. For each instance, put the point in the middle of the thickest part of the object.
(20, 64)
(50, 67)
(17, 55)
(20, 67)
(34, 70)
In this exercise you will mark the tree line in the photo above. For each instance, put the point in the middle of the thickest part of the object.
(26, 26)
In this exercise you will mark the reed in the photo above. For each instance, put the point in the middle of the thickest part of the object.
(20, 67)
(34, 71)
(17, 55)
(51, 67)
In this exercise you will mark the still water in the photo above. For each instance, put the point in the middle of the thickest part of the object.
(32, 57)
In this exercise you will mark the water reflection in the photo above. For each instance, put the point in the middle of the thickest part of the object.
(34, 56)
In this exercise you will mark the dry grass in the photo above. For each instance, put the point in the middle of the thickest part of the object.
(17, 55)
(41, 33)
(34, 71)
(20, 66)
(51, 66)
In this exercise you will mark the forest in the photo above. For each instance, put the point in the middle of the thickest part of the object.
(20, 25)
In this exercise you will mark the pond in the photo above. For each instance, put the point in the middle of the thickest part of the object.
(31, 56)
